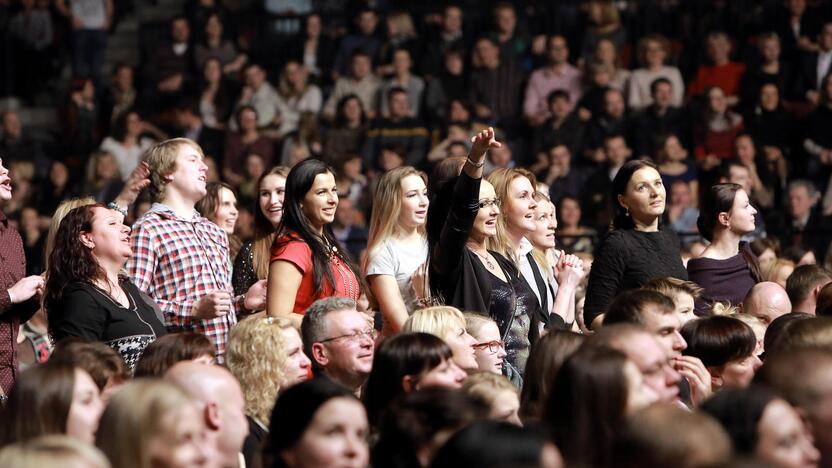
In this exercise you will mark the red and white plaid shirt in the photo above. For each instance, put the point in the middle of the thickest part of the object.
(177, 261)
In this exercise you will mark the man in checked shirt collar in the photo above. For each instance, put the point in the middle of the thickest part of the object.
(180, 258)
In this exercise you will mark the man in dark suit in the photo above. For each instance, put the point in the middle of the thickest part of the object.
(814, 66)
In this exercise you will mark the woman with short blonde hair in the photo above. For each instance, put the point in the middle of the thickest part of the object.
(447, 323)
(397, 245)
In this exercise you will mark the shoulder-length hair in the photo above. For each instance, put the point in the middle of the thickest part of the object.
(408, 354)
(341, 116)
(264, 232)
(387, 204)
(501, 179)
(587, 403)
(263, 378)
(38, 404)
(621, 219)
(70, 260)
(135, 415)
(295, 225)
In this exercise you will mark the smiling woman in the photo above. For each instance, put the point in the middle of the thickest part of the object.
(307, 263)
(86, 297)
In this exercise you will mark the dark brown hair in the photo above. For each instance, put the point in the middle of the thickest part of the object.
(166, 351)
(209, 204)
(408, 354)
(70, 260)
(718, 340)
(803, 280)
(587, 403)
(38, 404)
(545, 360)
(102, 362)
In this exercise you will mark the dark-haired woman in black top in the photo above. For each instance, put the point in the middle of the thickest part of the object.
(638, 248)
(85, 296)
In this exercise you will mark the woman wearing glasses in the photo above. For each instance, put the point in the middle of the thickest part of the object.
(463, 272)
(307, 263)
(489, 349)
(397, 245)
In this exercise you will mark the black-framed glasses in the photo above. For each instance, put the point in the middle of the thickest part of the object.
(493, 346)
(486, 202)
(354, 336)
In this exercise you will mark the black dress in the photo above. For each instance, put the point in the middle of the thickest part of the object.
(244, 276)
(86, 311)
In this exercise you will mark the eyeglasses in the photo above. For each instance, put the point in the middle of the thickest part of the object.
(493, 346)
(355, 336)
(485, 203)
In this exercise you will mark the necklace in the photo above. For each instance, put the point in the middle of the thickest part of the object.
(485, 258)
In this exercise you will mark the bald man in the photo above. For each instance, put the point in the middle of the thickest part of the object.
(221, 400)
(767, 301)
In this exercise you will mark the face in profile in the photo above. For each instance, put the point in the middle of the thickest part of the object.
(489, 351)
(336, 437)
(462, 346)
(485, 224)
(297, 364)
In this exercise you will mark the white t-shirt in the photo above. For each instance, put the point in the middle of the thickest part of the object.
(91, 13)
(126, 158)
(390, 258)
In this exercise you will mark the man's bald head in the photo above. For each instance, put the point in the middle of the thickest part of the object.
(203, 383)
(221, 399)
(767, 301)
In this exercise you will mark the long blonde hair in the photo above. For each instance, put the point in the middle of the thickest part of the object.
(539, 254)
(136, 415)
(257, 357)
(387, 204)
(264, 232)
(501, 179)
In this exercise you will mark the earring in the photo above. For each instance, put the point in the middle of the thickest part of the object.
(626, 212)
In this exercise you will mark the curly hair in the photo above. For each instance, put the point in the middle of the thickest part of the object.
(70, 260)
(257, 356)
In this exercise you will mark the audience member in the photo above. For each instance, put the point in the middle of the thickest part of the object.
(653, 54)
(622, 260)
(400, 128)
(361, 82)
(152, 422)
(339, 340)
(52, 450)
(193, 291)
(306, 263)
(545, 361)
(492, 444)
(498, 393)
(767, 301)
(558, 74)
(804, 286)
(489, 349)
(726, 347)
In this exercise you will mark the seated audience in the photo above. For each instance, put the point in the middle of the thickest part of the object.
(767, 301)
(163, 353)
(804, 286)
(447, 323)
(726, 347)
(498, 393)
(493, 444)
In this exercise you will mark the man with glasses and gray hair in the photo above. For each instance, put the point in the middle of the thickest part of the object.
(339, 340)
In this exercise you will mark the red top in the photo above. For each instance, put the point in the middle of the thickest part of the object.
(726, 76)
(299, 254)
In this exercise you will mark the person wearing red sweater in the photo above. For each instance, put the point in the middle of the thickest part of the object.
(721, 72)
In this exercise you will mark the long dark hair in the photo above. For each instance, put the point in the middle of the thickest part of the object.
(545, 360)
(397, 357)
(71, 260)
(38, 404)
(621, 219)
(587, 403)
(295, 226)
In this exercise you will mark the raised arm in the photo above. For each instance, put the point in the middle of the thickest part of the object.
(464, 204)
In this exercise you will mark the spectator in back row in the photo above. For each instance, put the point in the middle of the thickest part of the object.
(400, 128)
(361, 82)
(558, 74)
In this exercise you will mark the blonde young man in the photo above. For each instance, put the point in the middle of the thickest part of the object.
(181, 258)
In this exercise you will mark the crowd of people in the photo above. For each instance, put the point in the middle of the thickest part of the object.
(312, 234)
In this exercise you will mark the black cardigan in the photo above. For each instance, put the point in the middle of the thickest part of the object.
(457, 277)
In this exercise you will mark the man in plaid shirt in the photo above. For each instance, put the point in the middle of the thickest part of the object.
(180, 258)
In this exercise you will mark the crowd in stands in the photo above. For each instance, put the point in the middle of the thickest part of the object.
(583, 233)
